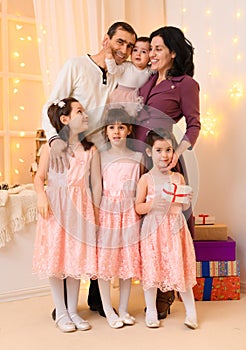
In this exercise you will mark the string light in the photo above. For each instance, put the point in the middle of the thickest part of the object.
(19, 26)
(209, 124)
(236, 91)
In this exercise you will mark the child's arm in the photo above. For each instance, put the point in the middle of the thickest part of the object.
(39, 180)
(96, 183)
(111, 65)
(141, 206)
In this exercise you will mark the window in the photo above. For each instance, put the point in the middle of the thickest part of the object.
(21, 91)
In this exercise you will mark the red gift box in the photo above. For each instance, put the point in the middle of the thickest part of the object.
(217, 288)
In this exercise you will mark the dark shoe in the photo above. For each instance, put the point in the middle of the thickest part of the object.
(162, 315)
(163, 303)
(53, 314)
(99, 309)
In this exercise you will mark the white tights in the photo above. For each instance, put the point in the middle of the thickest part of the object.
(187, 297)
(57, 290)
(189, 303)
(125, 289)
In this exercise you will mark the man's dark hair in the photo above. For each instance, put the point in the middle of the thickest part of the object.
(120, 25)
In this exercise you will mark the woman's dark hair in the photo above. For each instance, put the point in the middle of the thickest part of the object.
(120, 25)
(64, 107)
(176, 42)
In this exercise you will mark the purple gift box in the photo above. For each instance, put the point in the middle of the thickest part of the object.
(215, 250)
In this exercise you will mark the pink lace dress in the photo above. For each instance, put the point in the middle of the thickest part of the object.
(118, 235)
(166, 247)
(65, 243)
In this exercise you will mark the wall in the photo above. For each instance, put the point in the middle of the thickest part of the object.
(17, 280)
(216, 32)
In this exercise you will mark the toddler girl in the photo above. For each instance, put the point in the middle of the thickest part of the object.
(131, 76)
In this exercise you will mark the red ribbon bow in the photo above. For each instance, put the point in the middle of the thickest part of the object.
(203, 216)
(174, 194)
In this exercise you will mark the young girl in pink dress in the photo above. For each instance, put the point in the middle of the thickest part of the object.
(118, 234)
(65, 244)
(166, 247)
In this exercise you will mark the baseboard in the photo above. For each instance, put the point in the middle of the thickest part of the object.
(25, 293)
(243, 287)
(31, 292)
(45, 290)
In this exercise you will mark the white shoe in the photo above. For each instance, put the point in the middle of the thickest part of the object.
(114, 321)
(65, 324)
(151, 319)
(127, 319)
(80, 324)
(191, 323)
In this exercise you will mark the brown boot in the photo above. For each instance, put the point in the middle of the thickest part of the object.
(163, 303)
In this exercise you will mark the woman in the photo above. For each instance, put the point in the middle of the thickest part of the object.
(169, 95)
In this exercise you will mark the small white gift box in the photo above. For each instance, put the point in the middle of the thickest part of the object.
(176, 193)
(204, 219)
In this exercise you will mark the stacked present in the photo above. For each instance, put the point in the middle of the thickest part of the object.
(217, 269)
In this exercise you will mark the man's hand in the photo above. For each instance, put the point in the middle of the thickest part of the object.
(59, 155)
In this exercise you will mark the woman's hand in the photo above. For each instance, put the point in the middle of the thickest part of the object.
(173, 162)
(59, 155)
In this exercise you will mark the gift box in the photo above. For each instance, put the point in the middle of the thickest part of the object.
(217, 288)
(217, 268)
(215, 250)
(204, 219)
(216, 232)
(176, 193)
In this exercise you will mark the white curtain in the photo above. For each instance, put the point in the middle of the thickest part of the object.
(68, 28)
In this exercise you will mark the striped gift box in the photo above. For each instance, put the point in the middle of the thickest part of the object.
(217, 268)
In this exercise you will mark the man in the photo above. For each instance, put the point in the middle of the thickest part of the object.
(86, 79)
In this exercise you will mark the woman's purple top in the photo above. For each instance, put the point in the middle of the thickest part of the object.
(166, 103)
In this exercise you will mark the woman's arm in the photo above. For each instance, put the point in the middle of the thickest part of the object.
(39, 181)
(185, 206)
(96, 183)
(190, 107)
